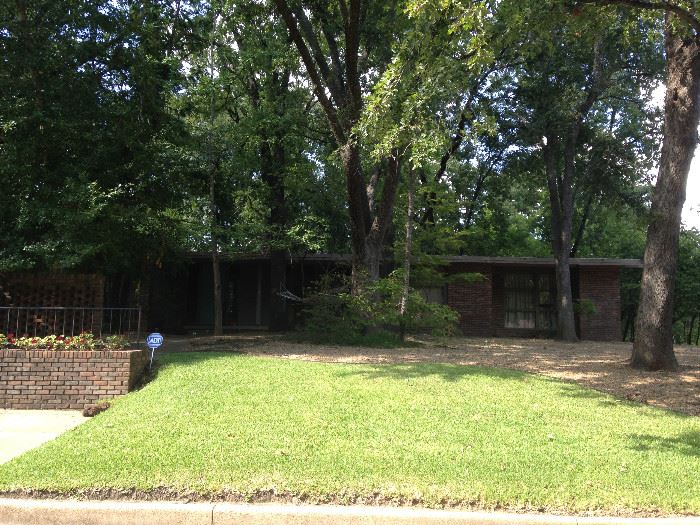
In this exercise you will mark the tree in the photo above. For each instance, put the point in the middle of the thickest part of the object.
(89, 154)
(557, 82)
(653, 343)
(342, 46)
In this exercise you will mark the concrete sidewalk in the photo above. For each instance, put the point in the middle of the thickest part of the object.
(62, 512)
(23, 430)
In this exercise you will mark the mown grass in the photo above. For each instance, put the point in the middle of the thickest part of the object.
(429, 433)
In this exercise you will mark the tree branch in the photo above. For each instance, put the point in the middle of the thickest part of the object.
(326, 104)
(352, 47)
(329, 76)
(662, 5)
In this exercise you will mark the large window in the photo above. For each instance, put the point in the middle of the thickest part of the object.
(529, 301)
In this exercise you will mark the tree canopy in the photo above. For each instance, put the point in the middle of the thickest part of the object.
(132, 134)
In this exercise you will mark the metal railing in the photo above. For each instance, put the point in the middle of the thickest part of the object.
(41, 321)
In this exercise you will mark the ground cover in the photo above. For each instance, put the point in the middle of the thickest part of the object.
(246, 427)
(599, 365)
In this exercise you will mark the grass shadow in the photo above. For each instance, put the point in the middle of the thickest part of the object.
(574, 391)
(447, 372)
(685, 443)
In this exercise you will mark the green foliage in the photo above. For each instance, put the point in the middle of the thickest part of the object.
(372, 317)
(585, 307)
(83, 341)
(687, 294)
(89, 156)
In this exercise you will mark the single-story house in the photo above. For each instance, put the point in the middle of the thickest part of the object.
(514, 296)
(517, 294)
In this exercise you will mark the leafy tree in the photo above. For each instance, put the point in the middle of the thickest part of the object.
(87, 146)
(343, 46)
(653, 343)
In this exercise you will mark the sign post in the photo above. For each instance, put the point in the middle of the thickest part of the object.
(153, 341)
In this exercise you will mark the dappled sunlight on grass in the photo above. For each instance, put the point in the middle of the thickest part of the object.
(598, 365)
(439, 434)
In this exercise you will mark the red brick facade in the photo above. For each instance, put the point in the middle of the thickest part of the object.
(473, 300)
(34, 379)
(601, 288)
(481, 310)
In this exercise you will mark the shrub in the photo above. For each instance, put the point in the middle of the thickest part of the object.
(373, 317)
(83, 341)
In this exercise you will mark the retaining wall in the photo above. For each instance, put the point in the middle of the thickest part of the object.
(35, 379)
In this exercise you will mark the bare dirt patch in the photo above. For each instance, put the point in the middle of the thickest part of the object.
(601, 366)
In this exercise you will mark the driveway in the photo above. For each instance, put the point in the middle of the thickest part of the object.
(23, 430)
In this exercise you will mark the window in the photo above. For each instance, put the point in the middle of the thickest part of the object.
(529, 301)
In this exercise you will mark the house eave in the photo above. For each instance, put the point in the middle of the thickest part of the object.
(545, 261)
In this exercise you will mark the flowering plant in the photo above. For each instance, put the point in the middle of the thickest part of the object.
(83, 341)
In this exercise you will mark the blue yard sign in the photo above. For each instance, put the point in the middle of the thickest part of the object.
(153, 341)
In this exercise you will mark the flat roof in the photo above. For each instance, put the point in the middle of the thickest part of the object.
(545, 261)
(473, 259)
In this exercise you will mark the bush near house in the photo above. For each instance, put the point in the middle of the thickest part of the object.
(372, 317)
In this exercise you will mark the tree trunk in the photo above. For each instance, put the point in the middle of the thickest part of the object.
(339, 91)
(561, 201)
(629, 323)
(689, 334)
(363, 263)
(213, 209)
(273, 156)
(653, 342)
(278, 282)
(566, 322)
(218, 311)
(408, 250)
(215, 259)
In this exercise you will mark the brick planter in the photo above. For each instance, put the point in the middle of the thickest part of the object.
(66, 378)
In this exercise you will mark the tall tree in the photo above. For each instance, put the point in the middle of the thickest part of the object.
(342, 46)
(653, 342)
(88, 150)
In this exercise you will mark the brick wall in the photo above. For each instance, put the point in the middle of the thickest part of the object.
(601, 286)
(34, 379)
(472, 300)
(52, 289)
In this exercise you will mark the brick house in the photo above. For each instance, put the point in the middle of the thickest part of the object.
(515, 296)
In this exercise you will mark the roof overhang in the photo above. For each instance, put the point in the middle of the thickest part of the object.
(544, 261)
(450, 259)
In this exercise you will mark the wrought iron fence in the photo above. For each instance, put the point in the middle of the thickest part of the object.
(41, 321)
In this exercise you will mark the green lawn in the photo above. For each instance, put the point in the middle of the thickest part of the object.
(428, 433)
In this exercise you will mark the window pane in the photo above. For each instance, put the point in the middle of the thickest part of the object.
(519, 301)
(528, 301)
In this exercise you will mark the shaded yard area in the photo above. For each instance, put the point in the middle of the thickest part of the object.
(241, 427)
(601, 366)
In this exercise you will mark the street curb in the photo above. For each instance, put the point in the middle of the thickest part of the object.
(70, 512)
